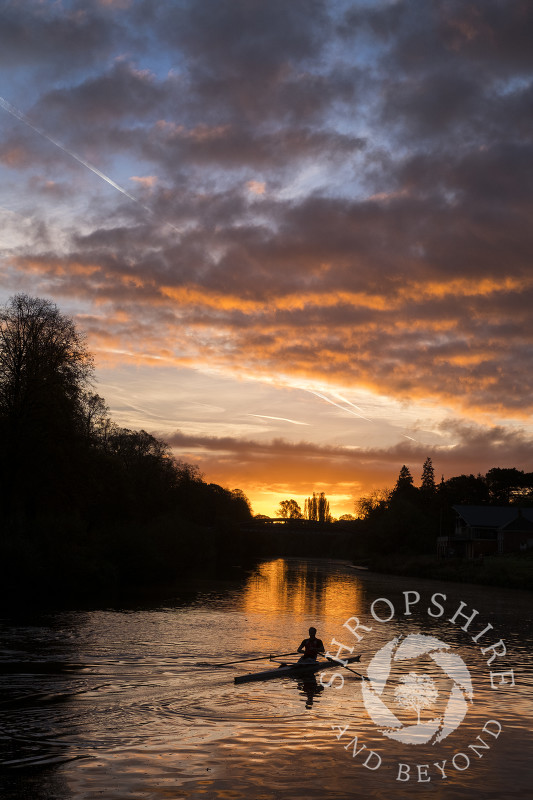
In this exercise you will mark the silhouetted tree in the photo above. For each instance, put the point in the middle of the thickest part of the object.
(289, 509)
(464, 490)
(241, 504)
(45, 373)
(95, 422)
(376, 501)
(81, 498)
(504, 485)
(43, 358)
(404, 485)
(428, 477)
(316, 508)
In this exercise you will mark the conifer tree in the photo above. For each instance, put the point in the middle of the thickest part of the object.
(405, 479)
(428, 477)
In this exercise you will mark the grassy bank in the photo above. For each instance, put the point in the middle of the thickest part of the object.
(509, 571)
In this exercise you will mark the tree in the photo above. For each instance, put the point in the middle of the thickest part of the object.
(316, 508)
(405, 479)
(289, 509)
(43, 358)
(95, 423)
(464, 490)
(45, 374)
(404, 488)
(377, 500)
(505, 484)
(241, 503)
(428, 477)
(416, 692)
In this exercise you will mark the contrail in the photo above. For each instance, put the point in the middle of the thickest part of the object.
(23, 118)
(344, 400)
(282, 419)
(342, 408)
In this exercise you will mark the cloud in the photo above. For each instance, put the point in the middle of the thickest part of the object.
(146, 181)
(122, 91)
(303, 467)
(256, 187)
(392, 250)
(47, 37)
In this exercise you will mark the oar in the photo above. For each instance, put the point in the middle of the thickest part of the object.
(245, 660)
(344, 666)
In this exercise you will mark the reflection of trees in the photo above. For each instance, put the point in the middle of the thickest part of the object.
(301, 589)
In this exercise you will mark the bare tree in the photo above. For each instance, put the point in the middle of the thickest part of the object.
(45, 373)
(43, 358)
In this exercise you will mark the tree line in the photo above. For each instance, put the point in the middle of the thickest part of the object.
(408, 519)
(316, 509)
(80, 496)
(499, 486)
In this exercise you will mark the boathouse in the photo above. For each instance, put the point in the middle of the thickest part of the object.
(487, 530)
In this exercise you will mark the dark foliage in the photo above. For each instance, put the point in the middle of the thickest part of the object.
(86, 506)
(408, 519)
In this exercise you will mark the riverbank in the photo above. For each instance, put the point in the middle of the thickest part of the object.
(507, 571)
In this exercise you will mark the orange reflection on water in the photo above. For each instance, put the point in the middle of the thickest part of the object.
(301, 589)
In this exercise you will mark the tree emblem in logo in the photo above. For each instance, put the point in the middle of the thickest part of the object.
(415, 691)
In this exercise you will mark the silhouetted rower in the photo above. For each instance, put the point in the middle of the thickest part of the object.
(311, 647)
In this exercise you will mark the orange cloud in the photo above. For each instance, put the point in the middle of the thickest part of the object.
(272, 471)
(256, 187)
(147, 181)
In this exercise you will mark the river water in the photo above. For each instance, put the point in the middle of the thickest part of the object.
(122, 703)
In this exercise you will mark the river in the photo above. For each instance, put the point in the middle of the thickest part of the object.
(123, 703)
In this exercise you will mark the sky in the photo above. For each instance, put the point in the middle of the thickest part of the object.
(297, 235)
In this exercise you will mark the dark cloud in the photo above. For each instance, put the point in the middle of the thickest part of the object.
(120, 92)
(343, 195)
(243, 146)
(250, 58)
(51, 38)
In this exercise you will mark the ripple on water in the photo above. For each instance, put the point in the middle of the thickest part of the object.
(141, 719)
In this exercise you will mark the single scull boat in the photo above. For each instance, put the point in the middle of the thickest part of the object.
(298, 669)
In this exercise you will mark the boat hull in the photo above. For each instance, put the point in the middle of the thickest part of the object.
(296, 670)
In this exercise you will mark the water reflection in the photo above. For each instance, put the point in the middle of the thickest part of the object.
(310, 688)
(302, 588)
(110, 703)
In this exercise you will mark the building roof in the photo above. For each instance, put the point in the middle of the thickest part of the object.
(494, 516)
(520, 524)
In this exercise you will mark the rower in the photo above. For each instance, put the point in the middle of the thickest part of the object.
(311, 647)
